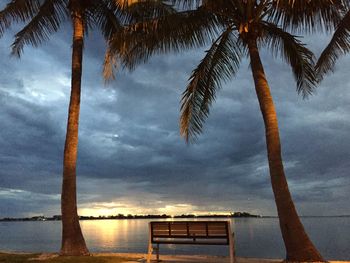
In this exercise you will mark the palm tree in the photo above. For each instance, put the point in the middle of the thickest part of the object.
(234, 29)
(339, 44)
(43, 17)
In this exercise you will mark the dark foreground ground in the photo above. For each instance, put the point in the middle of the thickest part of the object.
(125, 258)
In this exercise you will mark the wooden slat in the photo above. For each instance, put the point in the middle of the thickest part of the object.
(184, 242)
(216, 233)
(190, 237)
(160, 227)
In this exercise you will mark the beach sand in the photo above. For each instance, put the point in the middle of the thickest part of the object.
(194, 258)
(141, 258)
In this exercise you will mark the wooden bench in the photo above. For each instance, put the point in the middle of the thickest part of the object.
(190, 233)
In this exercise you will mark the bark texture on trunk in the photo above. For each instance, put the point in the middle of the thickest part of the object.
(297, 243)
(73, 242)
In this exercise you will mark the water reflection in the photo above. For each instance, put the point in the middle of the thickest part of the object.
(111, 235)
(106, 232)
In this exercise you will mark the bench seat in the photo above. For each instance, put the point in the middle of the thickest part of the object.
(190, 233)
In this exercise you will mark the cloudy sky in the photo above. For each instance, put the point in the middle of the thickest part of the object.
(131, 157)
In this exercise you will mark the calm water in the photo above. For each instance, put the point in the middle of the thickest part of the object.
(255, 237)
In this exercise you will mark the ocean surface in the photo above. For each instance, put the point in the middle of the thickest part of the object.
(254, 237)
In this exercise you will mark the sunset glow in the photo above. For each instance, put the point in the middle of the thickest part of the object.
(112, 208)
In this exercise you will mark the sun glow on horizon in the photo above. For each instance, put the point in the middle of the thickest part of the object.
(114, 208)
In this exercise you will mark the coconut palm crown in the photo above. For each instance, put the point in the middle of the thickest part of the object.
(41, 18)
(233, 30)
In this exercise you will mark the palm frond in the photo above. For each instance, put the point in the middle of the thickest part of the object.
(226, 11)
(145, 10)
(295, 53)
(339, 45)
(307, 16)
(45, 22)
(220, 63)
(107, 16)
(137, 12)
(171, 33)
(18, 11)
(110, 66)
(188, 4)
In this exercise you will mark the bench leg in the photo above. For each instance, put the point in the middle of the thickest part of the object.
(157, 252)
(232, 249)
(150, 250)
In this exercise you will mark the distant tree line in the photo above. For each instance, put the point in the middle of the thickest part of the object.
(130, 216)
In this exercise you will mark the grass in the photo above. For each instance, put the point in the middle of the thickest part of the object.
(34, 258)
(15, 258)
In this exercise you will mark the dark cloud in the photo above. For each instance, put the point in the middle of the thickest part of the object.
(131, 157)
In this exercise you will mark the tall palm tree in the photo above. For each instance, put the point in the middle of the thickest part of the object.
(44, 18)
(41, 18)
(234, 29)
(338, 45)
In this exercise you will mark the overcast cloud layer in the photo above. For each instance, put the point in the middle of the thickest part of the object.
(131, 157)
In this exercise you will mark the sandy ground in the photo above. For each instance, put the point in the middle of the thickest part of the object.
(141, 258)
(196, 259)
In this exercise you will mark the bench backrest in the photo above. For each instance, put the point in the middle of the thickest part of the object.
(191, 232)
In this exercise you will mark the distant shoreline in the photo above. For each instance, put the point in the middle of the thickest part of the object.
(131, 217)
(120, 216)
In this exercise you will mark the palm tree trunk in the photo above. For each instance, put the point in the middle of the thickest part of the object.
(73, 242)
(298, 245)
